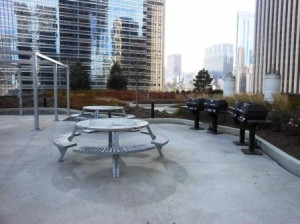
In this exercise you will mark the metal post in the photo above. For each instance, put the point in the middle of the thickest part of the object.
(35, 91)
(136, 91)
(214, 127)
(197, 118)
(251, 148)
(68, 91)
(20, 95)
(55, 93)
(152, 109)
(242, 135)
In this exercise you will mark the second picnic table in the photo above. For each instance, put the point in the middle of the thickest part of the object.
(104, 109)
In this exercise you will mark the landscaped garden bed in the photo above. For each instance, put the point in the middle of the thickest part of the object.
(283, 111)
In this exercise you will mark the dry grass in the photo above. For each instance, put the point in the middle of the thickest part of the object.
(82, 98)
(281, 102)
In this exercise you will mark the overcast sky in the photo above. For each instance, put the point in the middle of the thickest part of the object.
(193, 25)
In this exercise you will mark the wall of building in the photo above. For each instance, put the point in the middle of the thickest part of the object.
(244, 48)
(218, 60)
(96, 32)
(277, 43)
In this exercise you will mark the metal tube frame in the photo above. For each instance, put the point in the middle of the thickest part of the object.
(33, 63)
(55, 94)
(35, 92)
(20, 93)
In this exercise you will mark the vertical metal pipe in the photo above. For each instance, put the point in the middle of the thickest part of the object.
(55, 93)
(35, 91)
(252, 138)
(196, 120)
(20, 92)
(242, 135)
(68, 91)
(152, 109)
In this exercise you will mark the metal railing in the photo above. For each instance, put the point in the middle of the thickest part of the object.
(33, 62)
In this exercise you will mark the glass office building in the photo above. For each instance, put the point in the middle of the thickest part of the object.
(95, 32)
(245, 36)
(244, 52)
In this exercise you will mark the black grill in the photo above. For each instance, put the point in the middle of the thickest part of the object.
(252, 112)
(214, 108)
(196, 105)
(249, 115)
(234, 111)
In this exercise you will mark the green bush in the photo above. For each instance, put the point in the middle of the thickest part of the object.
(279, 117)
(294, 101)
(292, 127)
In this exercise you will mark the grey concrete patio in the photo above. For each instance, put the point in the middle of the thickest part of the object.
(203, 178)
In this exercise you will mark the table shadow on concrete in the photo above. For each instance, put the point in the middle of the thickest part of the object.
(138, 185)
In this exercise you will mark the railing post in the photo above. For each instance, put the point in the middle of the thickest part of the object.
(152, 109)
(35, 91)
(20, 94)
(55, 93)
(68, 91)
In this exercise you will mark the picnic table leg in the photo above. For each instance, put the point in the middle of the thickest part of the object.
(153, 137)
(70, 138)
(150, 132)
(124, 113)
(96, 115)
(116, 165)
(116, 158)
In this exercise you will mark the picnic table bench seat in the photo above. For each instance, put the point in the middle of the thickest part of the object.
(159, 141)
(120, 150)
(64, 142)
(115, 152)
(128, 116)
(88, 116)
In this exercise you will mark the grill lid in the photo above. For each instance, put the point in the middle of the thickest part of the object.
(252, 111)
(215, 106)
(195, 104)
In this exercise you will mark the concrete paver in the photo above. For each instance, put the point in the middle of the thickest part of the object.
(203, 178)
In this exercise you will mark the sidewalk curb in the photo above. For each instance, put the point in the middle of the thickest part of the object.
(286, 161)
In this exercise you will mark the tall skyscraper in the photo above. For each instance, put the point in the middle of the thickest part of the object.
(243, 49)
(277, 44)
(245, 36)
(218, 60)
(95, 32)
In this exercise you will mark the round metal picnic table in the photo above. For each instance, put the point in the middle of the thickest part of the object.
(106, 109)
(113, 126)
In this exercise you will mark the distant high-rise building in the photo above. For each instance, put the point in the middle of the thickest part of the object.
(94, 32)
(243, 49)
(241, 71)
(245, 36)
(277, 44)
(187, 80)
(218, 60)
(174, 67)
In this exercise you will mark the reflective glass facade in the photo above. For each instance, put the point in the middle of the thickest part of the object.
(96, 32)
(245, 36)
